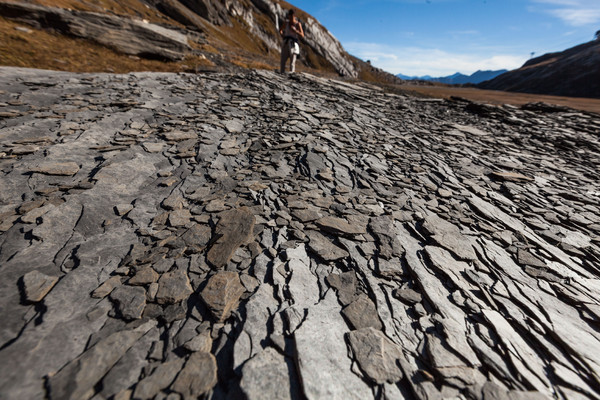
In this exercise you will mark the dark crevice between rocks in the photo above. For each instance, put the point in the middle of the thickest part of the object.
(75, 261)
(295, 379)
(591, 261)
(40, 309)
(100, 161)
(25, 325)
(27, 235)
(228, 386)
(588, 377)
(532, 342)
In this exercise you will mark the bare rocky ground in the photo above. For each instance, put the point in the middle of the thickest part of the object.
(258, 235)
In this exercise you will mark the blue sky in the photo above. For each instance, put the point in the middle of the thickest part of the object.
(441, 37)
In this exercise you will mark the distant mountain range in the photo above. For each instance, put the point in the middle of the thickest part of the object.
(457, 78)
(574, 72)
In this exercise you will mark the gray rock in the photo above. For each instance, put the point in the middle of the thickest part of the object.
(173, 287)
(234, 126)
(377, 356)
(259, 311)
(390, 269)
(303, 284)
(362, 313)
(197, 377)
(269, 375)
(340, 226)
(448, 236)
(234, 229)
(153, 147)
(526, 258)
(160, 379)
(384, 230)
(202, 343)
(107, 286)
(56, 168)
(197, 236)
(326, 374)
(222, 294)
(122, 209)
(324, 248)
(408, 296)
(528, 366)
(37, 285)
(145, 276)
(345, 284)
(179, 218)
(128, 369)
(130, 301)
(32, 216)
(78, 378)
(510, 176)
(306, 215)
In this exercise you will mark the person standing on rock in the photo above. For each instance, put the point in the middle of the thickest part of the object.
(291, 32)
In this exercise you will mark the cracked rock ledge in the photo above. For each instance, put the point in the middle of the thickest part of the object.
(256, 235)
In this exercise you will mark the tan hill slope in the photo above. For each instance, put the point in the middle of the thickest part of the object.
(165, 35)
(574, 72)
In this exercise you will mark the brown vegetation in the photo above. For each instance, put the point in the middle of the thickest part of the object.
(41, 49)
(131, 8)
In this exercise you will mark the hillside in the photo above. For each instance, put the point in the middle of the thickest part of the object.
(165, 35)
(256, 235)
(574, 72)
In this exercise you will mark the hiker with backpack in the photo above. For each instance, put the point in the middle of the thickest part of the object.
(291, 32)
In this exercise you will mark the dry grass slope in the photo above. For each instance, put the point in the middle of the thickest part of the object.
(47, 50)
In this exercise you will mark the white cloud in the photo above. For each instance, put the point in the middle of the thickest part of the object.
(574, 12)
(434, 62)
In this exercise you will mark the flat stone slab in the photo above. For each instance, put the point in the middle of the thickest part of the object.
(511, 177)
(37, 285)
(78, 378)
(270, 236)
(56, 168)
(377, 356)
(361, 313)
(340, 226)
(267, 374)
(326, 374)
(130, 301)
(235, 228)
(222, 294)
(198, 376)
(173, 287)
(324, 248)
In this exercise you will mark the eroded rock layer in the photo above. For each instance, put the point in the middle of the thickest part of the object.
(272, 236)
(129, 36)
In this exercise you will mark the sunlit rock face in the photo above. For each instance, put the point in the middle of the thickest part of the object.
(130, 35)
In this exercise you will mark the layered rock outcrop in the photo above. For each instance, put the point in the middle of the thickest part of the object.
(259, 19)
(129, 36)
(260, 235)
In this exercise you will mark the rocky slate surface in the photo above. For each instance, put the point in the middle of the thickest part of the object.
(265, 236)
